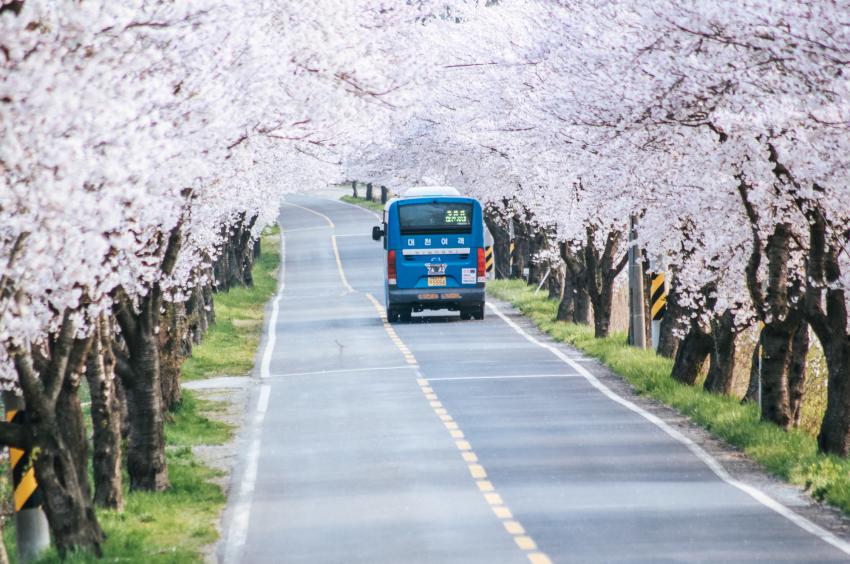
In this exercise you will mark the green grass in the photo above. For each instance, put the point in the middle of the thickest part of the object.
(170, 526)
(790, 455)
(230, 345)
(173, 526)
(368, 204)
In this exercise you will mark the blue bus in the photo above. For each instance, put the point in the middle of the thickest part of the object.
(434, 239)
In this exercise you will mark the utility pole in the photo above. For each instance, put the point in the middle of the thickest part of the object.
(637, 314)
(511, 247)
(31, 529)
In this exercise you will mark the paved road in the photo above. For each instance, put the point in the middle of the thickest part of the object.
(450, 441)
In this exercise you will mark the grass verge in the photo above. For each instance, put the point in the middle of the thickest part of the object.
(230, 345)
(790, 455)
(166, 527)
(174, 526)
(368, 204)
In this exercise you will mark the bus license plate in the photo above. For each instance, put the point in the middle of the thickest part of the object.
(436, 281)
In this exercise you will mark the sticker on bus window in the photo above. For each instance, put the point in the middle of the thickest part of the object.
(468, 276)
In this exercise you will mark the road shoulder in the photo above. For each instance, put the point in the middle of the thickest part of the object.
(740, 467)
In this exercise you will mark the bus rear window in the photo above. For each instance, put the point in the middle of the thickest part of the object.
(435, 218)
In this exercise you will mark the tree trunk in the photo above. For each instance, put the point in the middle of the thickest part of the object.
(146, 442)
(369, 191)
(209, 306)
(834, 436)
(197, 323)
(691, 355)
(776, 360)
(140, 378)
(106, 421)
(581, 314)
(501, 245)
(827, 315)
(174, 348)
(54, 413)
(521, 257)
(721, 372)
(600, 273)
(567, 305)
(671, 323)
(138, 367)
(121, 397)
(797, 371)
(575, 303)
(555, 282)
(602, 311)
(536, 268)
(752, 394)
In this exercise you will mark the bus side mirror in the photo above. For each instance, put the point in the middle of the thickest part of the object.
(377, 233)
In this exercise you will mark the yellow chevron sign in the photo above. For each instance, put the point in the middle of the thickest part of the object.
(26, 492)
(658, 296)
(488, 258)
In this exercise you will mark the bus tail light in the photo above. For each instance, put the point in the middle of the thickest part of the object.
(482, 266)
(392, 278)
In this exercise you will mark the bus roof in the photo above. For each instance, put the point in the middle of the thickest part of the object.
(424, 191)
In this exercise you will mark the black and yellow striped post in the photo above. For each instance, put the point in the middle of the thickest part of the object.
(657, 304)
(26, 493)
(488, 260)
(31, 528)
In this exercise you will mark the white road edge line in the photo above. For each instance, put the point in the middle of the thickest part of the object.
(302, 229)
(270, 341)
(314, 212)
(333, 243)
(361, 208)
(339, 266)
(507, 377)
(238, 530)
(697, 450)
(263, 402)
(342, 371)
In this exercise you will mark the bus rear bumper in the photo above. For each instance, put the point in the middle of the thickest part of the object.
(436, 298)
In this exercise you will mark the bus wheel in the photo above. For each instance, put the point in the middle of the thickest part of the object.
(465, 314)
(478, 312)
(392, 314)
(406, 315)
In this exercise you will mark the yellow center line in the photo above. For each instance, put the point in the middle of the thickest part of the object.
(476, 470)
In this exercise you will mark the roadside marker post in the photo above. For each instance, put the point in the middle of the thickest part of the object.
(658, 304)
(31, 529)
(488, 261)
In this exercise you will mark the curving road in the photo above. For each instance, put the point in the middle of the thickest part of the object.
(463, 441)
